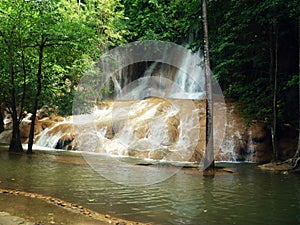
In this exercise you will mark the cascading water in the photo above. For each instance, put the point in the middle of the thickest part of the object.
(227, 151)
(141, 88)
(138, 124)
(153, 128)
(46, 139)
(238, 144)
(190, 78)
(57, 136)
(251, 149)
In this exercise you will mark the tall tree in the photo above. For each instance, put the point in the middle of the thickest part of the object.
(297, 154)
(97, 19)
(12, 18)
(256, 57)
(53, 31)
(38, 93)
(49, 44)
(273, 70)
(209, 151)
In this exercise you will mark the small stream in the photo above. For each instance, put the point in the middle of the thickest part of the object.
(249, 196)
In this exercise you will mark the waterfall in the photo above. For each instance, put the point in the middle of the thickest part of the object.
(151, 128)
(190, 77)
(227, 152)
(57, 136)
(156, 111)
(186, 82)
(46, 139)
(238, 144)
(155, 128)
(250, 148)
(140, 88)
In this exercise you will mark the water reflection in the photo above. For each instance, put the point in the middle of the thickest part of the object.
(249, 196)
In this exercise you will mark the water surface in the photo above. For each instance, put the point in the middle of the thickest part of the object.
(249, 196)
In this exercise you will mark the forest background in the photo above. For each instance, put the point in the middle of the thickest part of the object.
(47, 45)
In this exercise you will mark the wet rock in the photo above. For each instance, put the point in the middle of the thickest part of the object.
(143, 154)
(157, 154)
(43, 112)
(64, 141)
(258, 132)
(5, 136)
(56, 118)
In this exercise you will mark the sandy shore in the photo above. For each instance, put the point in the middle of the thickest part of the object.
(7, 219)
(18, 207)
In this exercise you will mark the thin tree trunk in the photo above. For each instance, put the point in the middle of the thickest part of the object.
(273, 71)
(15, 143)
(209, 151)
(39, 89)
(1, 120)
(297, 154)
(274, 128)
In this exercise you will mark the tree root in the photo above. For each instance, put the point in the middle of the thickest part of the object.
(291, 161)
(289, 165)
(296, 163)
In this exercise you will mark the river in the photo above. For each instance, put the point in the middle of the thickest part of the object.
(247, 196)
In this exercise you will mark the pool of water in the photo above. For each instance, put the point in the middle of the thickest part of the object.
(249, 196)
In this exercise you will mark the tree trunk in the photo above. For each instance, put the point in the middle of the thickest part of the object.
(36, 100)
(32, 125)
(209, 151)
(15, 143)
(1, 121)
(275, 109)
(273, 80)
(297, 154)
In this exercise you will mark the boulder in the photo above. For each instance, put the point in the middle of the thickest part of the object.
(5, 136)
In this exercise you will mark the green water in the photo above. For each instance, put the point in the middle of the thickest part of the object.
(249, 196)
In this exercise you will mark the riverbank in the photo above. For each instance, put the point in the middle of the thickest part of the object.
(7, 219)
(19, 207)
(291, 165)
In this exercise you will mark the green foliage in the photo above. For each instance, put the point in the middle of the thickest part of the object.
(294, 80)
(242, 35)
(174, 20)
(243, 42)
(72, 36)
(108, 16)
(252, 103)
